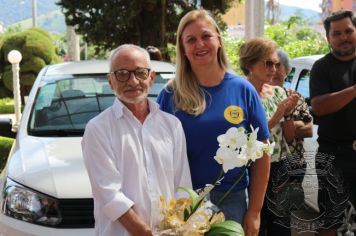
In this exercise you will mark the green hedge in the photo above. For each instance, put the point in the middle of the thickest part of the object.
(7, 106)
(5, 146)
(7, 109)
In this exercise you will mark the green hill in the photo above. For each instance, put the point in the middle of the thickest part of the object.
(52, 21)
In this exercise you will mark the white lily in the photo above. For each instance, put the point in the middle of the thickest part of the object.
(253, 134)
(229, 158)
(233, 138)
(254, 150)
(238, 147)
(268, 148)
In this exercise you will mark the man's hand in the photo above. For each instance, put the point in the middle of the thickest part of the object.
(251, 223)
(134, 224)
(332, 102)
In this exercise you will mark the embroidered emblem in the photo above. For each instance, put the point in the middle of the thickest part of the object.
(234, 114)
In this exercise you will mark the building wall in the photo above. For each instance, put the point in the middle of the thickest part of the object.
(343, 4)
(335, 5)
(236, 14)
(329, 6)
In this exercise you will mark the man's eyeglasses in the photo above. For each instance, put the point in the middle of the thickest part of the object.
(123, 75)
(269, 64)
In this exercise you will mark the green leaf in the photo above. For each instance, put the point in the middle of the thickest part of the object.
(226, 228)
(186, 214)
(193, 195)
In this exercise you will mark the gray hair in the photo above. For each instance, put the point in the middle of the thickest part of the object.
(284, 60)
(130, 46)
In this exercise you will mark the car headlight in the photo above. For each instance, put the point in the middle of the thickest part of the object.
(28, 205)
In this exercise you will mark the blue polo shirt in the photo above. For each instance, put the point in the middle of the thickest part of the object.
(232, 103)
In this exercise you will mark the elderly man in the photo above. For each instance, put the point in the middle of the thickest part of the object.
(133, 152)
(333, 100)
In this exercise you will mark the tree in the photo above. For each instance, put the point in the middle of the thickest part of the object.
(273, 11)
(109, 23)
(37, 49)
(293, 35)
(297, 38)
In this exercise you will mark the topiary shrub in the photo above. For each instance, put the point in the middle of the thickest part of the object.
(5, 147)
(37, 49)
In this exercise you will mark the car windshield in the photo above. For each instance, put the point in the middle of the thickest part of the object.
(63, 106)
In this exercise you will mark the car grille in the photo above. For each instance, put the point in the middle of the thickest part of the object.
(76, 213)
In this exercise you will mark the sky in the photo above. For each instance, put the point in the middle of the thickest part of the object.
(309, 4)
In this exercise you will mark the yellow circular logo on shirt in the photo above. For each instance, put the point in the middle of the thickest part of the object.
(234, 114)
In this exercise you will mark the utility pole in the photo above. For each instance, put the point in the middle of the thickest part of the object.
(34, 13)
(254, 18)
(73, 44)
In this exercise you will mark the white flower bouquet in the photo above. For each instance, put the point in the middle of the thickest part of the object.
(197, 216)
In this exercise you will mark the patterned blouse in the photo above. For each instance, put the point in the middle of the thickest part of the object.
(300, 113)
(270, 105)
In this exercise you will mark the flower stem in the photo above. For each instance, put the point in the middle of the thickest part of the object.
(202, 198)
(242, 173)
(219, 176)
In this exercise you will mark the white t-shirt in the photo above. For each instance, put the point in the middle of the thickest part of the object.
(131, 164)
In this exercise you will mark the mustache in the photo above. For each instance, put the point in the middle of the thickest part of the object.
(129, 87)
(345, 42)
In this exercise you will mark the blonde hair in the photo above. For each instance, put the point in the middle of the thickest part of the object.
(253, 50)
(188, 96)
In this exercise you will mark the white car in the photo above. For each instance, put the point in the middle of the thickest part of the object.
(298, 80)
(45, 189)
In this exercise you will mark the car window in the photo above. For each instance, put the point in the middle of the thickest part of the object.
(160, 82)
(64, 106)
(289, 78)
(303, 83)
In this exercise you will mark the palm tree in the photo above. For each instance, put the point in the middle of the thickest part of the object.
(273, 11)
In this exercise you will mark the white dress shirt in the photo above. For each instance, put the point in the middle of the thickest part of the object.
(131, 164)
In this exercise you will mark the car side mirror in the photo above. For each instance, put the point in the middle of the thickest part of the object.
(6, 128)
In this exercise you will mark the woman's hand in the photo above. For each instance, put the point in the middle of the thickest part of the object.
(251, 223)
(285, 108)
(290, 102)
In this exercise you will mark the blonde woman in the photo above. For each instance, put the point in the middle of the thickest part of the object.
(208, 100)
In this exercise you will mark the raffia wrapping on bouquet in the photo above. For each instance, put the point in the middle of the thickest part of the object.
(197, 224)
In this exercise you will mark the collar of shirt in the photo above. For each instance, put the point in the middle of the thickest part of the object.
(120, 109)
